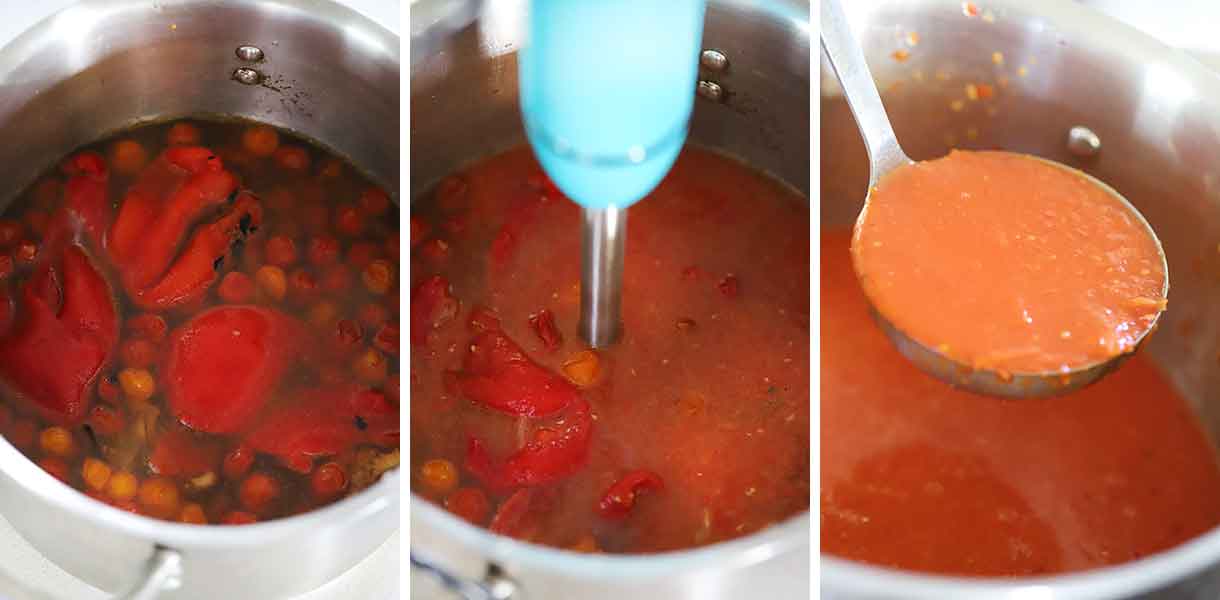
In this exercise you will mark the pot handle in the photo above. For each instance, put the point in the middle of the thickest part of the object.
(162, 572)
(495, 585)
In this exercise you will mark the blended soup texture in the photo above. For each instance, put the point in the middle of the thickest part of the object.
(917, 475)
(693, 429)
(1003, 262)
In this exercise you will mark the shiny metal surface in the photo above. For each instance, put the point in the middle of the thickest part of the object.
(713, 60)
(603, 241)
(433, 21)
(846, 59)
(162, 572)
(1082, 142)
(247, 76)
(249, 53)
(102, 65)
(463, 108)
(1158, 113)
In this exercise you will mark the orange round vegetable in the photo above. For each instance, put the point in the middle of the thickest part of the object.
(439, 475)
(260, 141)
(128, 157)
(122, 486)
(272, 282)
(183, 134)
(57, 441)
(292, 158)
(328, 481)
(95, 473)
(371, 366)
(258, 491)
(159, 497)
(280, 250)
(374, 202)
(138, 385)
(349, 220)
(193, 513)
(378, 276)
(470, 504)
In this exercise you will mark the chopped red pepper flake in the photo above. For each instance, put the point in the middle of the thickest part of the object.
(618, 501)
(728, 286)
(543, 323)
(483, 319)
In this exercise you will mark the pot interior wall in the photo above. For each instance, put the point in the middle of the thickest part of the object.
(102, 65)
(1156, 114)
(464, 99)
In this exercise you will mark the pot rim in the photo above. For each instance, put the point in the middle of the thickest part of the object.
(1121, 580)
(378, 497)
(784, 537)
(382, 495)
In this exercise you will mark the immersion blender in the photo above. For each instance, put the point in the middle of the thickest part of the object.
(607, 88)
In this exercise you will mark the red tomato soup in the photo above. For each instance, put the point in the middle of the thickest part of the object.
(692, 430)
(199, 323)
(917, 475)
(1004, 262)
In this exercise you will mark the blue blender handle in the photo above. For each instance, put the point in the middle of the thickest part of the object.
(607, 88)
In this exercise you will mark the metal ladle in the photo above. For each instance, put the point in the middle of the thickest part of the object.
(846, 58)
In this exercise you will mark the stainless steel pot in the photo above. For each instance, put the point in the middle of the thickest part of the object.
(101, 65)
(1154, 116)
(464, 107)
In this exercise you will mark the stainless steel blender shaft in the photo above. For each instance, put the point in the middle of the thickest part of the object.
(601, 275)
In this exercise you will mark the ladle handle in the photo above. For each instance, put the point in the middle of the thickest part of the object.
(847, 60)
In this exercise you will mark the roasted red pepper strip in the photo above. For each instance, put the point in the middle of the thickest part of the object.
(196, 269)
(540, 461)
(324, 423)
(500, 376)
(223, 364)
(183, 185)
(85, 199)
(63, 330)
(617, 502)
(431, 307)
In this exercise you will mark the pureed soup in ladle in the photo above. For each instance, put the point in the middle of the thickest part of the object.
(1007, 263)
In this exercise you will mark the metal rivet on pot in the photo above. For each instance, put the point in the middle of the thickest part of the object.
(250, 53)
(714, 60)
(499, 585)
(1083, 142)
(247, 76)
(710, 90)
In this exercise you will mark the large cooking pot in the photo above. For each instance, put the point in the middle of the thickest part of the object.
(1156, 117)
(102, 65)
(464, 107)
